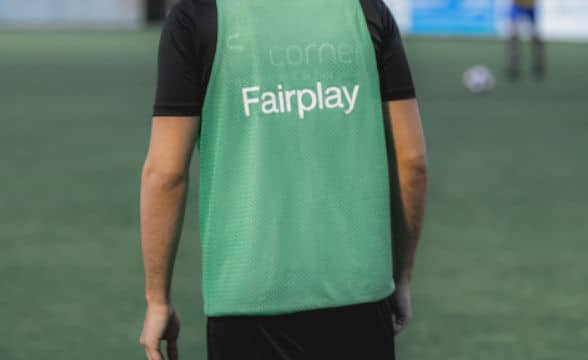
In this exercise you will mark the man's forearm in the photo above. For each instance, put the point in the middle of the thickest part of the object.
(408, 207)
(163, 199)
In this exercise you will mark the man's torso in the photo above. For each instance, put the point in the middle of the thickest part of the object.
(294, 202)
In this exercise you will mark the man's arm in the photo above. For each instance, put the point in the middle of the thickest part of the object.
(408, 185)
(164, 186)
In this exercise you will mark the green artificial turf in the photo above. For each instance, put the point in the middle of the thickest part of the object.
(501, 271)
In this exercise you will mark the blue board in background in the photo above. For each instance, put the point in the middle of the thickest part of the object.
(453, 17)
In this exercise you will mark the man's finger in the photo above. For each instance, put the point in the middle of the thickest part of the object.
(396, 323)
(400, 324)
(172, 350)
(397, 329)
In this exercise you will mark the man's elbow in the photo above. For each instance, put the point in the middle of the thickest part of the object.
(415, 164)
(163, 179)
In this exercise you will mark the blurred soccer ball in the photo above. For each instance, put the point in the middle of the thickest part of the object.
(479, 79)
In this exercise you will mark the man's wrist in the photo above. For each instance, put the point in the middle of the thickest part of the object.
(402, 281)
(157, 300)
(161, 309)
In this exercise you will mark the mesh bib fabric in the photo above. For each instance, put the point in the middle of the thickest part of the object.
(294, 194)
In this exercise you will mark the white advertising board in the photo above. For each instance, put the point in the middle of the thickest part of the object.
(402, 11)
(564, 19)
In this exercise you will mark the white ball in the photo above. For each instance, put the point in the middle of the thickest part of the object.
(479, 79)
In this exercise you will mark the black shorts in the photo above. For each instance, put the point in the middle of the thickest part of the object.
(358, 332)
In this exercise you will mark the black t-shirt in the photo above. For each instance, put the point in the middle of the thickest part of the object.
(188, 44)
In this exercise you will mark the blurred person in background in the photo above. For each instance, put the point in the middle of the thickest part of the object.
(313, 177)
(525, 10)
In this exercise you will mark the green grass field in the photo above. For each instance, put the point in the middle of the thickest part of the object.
(501, 273)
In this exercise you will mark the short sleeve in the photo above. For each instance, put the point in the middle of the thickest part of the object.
(396, 81)
(395, 75)
(180, 80)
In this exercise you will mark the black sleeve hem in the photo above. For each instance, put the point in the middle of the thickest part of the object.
(187, 110)
(399, 94)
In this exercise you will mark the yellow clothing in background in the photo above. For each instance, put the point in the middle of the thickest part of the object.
(525, 3)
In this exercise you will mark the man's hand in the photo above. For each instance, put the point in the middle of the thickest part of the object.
(161, 323)
(401, 304)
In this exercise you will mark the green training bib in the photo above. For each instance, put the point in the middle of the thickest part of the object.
(294, 194)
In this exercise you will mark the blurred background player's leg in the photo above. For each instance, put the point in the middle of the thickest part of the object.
(537, 47)
(524, 10)
(514, 45)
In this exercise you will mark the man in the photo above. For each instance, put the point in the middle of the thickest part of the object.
(302, 177)
(525, 9)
